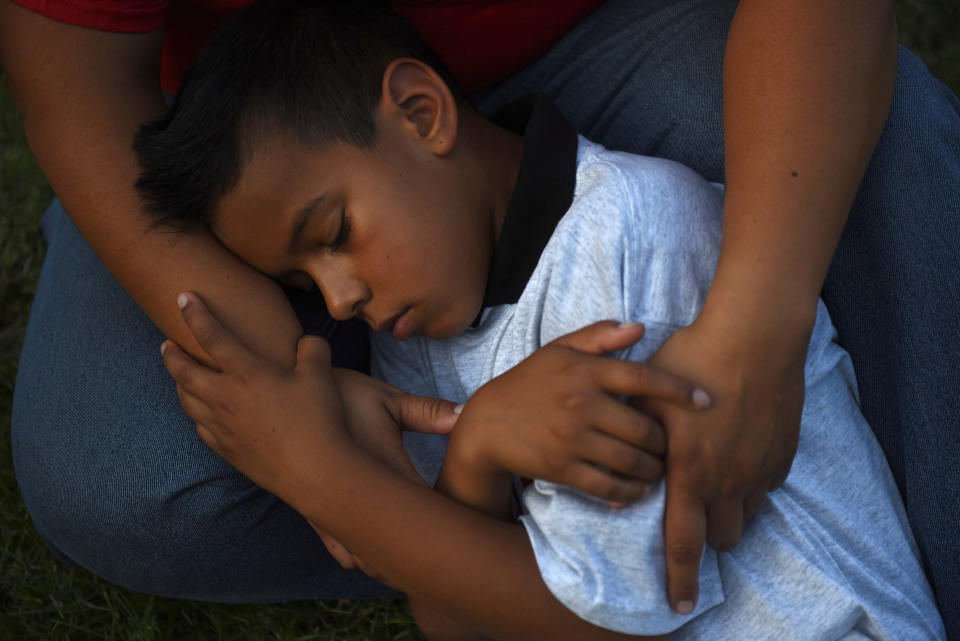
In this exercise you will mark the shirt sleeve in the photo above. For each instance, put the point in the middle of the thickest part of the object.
(607, 565)
(122, 16)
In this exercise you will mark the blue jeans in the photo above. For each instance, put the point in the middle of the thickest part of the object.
(117, 481)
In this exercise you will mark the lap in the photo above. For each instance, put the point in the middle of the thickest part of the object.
(112, 471)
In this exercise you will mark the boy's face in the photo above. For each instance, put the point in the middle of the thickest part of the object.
(393, 235)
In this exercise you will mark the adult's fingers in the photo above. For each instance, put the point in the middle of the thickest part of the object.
(208, 437)
(725, 524)
(640, 379)
(752, 505)
(602, 337)
(215, 339)
(685, 533)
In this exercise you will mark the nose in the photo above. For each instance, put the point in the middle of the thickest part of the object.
(344, 294)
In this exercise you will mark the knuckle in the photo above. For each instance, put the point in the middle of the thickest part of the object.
(642, 375)
(553, 460)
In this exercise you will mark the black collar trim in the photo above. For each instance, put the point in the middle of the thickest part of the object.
(544, 192)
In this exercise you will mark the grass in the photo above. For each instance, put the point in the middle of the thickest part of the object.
(42, 599)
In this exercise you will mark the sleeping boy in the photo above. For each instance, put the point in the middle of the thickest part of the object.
(321, 148)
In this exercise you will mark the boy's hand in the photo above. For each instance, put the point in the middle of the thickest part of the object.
(276, 426)
(721, 463)
(556, 416)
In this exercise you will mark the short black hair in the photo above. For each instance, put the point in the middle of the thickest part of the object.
(310, 68)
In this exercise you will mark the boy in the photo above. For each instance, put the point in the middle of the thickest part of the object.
(467, 248)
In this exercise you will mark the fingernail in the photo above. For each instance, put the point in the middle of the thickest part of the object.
(684, 607)
(182, 300)
(458, 408)
(648, 491)
(628, 325)
(163, 347)
(616, 505)
(700, 398)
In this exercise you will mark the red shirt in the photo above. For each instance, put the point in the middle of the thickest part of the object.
(481, 42)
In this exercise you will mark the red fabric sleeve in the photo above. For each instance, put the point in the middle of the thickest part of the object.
(125, 16)
(482, 41)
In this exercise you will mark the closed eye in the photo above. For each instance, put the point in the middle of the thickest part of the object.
(343, 233)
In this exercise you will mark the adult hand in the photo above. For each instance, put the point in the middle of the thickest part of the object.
(722, 462)
(557, 416)
(275, 425)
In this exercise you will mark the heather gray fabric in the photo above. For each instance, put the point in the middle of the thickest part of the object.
(830, 556)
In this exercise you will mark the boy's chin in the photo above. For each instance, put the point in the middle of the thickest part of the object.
(446, 331)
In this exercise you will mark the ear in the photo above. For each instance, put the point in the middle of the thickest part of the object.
(416, 97)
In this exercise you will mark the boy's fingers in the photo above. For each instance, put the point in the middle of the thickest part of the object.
(196, 378)
(423, 414)
(630, 425)
(640, 379)
(216, 340)
(685, 534)
(596, 482)
(602, 337)
(622, 458)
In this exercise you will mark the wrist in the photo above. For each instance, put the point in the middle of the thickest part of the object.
(471, 476)
(756, 310)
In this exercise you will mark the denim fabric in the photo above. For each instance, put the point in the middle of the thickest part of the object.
(116, 480)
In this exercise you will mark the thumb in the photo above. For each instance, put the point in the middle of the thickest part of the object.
(313, 354)
(423, 414)
(602, 337)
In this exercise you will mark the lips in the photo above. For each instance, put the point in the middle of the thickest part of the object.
(389, 324)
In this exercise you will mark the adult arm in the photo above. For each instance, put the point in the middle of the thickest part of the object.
(806, 89)
(83, 93)
(479, 569)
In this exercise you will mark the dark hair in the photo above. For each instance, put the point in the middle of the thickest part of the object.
(310, 68)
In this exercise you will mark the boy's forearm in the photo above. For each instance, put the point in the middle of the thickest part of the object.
(478, 569)
(473, 483)
(807, 86)
(82, 101)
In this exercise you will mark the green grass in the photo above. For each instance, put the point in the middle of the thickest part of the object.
(42, 599)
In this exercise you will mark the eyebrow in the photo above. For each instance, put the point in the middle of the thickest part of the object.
(300, 221)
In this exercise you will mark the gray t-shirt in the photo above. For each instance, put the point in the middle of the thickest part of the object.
(830, 556)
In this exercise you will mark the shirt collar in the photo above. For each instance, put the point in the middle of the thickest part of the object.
(543, 193)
